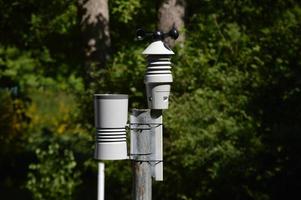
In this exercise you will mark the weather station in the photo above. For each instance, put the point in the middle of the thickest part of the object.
(145, 125)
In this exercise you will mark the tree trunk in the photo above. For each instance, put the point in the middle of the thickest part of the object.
(94, 16)
(171, 13)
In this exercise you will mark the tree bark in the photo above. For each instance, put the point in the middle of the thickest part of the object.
(171, 13)
(94, 23)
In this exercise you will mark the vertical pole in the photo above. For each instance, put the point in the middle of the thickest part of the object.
(142, 181)
(101, 181)
(141, 150)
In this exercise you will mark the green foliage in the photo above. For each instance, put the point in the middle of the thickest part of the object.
(231, 84)
(125, 10)
(17, 69)
(126, 17)
(127, 66)
(208, 134)
(7, 118)
(55, 175)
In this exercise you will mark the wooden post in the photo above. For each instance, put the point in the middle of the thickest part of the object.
(141, 150)
(146, 151)
(142, 181)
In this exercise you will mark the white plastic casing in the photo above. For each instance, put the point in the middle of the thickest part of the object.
(158, 77)
(111, 112)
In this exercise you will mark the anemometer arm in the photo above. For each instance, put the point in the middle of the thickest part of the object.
(157, 35)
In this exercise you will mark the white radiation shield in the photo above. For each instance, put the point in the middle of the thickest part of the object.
(111, 111)
(158, 77)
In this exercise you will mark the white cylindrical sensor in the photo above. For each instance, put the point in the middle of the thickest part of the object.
(111, 111)
(158, 77)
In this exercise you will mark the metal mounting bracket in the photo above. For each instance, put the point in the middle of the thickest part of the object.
(146, 139)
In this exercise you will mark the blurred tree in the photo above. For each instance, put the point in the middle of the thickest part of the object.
(172, 13)
(95, 30)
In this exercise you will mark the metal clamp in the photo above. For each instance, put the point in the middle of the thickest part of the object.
(149, 126)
